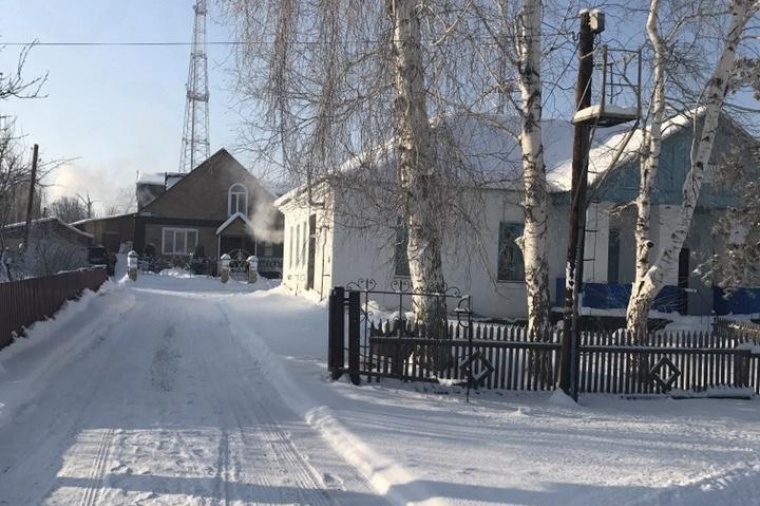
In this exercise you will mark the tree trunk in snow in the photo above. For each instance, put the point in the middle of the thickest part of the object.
(650, 277)
(418, 179)
(534, 240)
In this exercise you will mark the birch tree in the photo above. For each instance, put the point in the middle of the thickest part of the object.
(520, 43)
(418, 176)
(330, 89)
(534, 239)
(650, 275)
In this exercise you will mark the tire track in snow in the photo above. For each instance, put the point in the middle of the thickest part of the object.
(223, 469)
(226, 467)
(258, 431)
(292, 462)
(58, 431)
(98, 472)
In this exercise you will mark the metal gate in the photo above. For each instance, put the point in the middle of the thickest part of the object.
(360, 345)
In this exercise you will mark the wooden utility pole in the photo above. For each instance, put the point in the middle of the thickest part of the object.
(574, 269)
(30, 203)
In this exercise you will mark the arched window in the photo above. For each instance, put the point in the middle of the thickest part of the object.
(237, 200)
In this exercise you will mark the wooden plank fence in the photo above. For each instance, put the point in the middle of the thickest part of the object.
(609, 362)
(30, 300)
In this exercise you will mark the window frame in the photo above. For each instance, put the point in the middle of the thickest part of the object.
(234, 193)
(516, 268)
(175, 232)
(400, 247)
(613, 256)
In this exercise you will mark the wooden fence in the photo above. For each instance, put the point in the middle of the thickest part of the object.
(504, 358)
(30, 300)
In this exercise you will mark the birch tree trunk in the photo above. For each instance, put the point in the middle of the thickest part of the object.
(534, 240)
(418, 179)
(650, 277)
(638, 307)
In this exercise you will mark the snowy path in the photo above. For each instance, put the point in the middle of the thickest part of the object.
(156, 402)
(175, 391)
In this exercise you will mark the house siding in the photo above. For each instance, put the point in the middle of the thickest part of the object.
(349, 254)
(200, 201)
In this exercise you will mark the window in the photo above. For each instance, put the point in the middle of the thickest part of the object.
(290, 246)
(613, 257)
(179, 241)
(511, 266)
(304, 242)
(298, 245)
(400, 259)
(237, 199)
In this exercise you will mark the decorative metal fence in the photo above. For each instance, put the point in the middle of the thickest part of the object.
(504, 357)
(30, 300)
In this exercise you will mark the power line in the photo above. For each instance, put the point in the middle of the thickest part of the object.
(126, 43)
(216, 43)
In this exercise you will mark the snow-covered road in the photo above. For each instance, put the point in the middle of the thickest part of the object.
(155, 401)
(179, 390)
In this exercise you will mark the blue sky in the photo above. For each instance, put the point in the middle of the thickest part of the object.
(113, 111)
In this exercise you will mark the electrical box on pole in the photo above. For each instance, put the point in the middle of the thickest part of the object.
(616, 101)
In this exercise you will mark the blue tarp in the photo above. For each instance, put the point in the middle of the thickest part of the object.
(615, 296)
(741, 301)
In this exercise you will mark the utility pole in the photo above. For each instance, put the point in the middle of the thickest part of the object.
(575, 246)
(30, 203)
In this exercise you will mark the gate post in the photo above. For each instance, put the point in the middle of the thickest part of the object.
(354, 322)
(336, 333)
(741, 368)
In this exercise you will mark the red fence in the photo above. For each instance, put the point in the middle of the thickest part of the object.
(30, 300)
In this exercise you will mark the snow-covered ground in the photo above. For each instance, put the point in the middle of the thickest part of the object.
(180, 390)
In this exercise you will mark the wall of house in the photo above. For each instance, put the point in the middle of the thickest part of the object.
(201, 201)
(295, 251)
(294, 258)
(732, 146)
(206, 236)
(346, 254)
(111, 232)
(470, 260)
(203, 194)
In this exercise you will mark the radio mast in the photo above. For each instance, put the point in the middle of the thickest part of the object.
(195, 143)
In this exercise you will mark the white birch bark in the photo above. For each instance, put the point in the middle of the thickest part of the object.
(418, 178)
(650, 277)
(534, 240)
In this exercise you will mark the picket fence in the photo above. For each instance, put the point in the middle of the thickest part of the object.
(718, 363)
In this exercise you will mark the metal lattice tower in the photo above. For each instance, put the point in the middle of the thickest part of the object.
(195, 143)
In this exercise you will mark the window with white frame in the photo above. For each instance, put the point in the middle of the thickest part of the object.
(510, 261)
(298, 245)
(237, 199)
(290, 246)
(179, 241)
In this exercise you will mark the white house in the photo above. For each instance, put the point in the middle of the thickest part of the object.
(338, 231)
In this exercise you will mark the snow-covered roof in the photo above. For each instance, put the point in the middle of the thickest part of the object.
(489, 146)
(607, 146)
(101, 218)
(231, 219)
(154, 178)
(50, 219)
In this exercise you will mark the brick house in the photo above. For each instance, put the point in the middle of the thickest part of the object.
(218, 205)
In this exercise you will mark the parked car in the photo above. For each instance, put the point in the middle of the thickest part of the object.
(99, 255)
